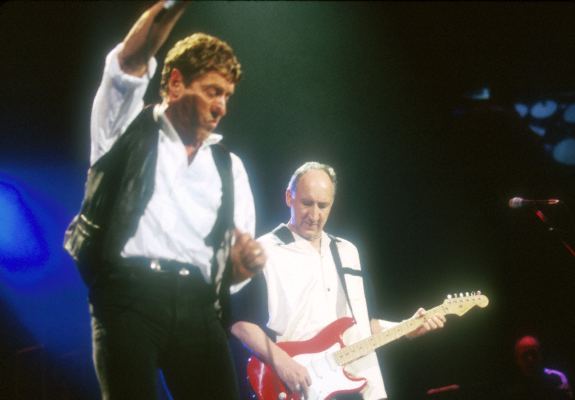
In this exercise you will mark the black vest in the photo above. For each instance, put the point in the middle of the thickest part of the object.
(118, 188)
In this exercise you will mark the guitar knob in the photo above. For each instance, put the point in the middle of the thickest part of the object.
(282, 396)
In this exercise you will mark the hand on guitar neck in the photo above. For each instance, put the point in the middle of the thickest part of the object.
(430, 323)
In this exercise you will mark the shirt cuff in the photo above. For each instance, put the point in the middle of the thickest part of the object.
(386, 324)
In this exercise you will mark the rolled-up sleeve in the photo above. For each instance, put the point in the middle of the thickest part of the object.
(119, 99)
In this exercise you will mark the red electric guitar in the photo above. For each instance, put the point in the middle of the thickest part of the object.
(325, 355)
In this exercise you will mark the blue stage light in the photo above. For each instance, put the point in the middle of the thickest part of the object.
(22, 242)
(38, 281)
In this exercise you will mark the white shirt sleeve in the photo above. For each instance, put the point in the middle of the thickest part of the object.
(244, 209)
(118, 101)
(386, 324)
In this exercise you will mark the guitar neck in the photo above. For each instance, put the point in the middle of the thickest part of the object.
(366, 346)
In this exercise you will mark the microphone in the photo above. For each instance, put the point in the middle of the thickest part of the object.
(168, 5)
(518, 202)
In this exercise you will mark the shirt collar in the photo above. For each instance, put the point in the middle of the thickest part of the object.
(325, 240)
(169, 130)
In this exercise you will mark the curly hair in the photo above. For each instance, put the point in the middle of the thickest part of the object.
(198, 54)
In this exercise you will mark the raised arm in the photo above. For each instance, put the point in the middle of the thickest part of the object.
(148, 34)
(129, 67)
(293, 374)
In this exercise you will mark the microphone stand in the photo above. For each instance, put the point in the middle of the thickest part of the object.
(551, 228)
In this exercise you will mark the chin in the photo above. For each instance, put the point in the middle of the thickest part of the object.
(311, 235)
(203, 134)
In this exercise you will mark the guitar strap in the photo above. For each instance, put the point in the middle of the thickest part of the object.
(284, 234)
(341, 271)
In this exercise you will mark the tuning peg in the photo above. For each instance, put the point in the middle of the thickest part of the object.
(460, 294)
(449, 296)
(479, 292)
(466, 294)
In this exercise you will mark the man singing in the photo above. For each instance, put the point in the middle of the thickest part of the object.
(168, 217)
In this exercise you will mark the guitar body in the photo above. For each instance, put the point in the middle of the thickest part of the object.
(316, 354)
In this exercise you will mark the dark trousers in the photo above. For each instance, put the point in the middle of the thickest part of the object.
(143, 320)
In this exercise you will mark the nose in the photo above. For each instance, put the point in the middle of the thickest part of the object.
(219, 107)
(314, 213)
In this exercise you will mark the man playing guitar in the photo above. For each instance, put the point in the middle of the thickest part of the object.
(311, 280)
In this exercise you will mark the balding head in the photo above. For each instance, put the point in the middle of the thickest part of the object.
(310, 197)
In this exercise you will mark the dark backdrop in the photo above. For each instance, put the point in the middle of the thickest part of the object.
(376, 90)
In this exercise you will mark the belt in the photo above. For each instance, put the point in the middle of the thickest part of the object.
(158, 265)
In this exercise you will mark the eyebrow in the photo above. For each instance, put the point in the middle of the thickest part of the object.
(218, 86)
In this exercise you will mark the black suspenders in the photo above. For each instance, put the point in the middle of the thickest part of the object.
(224, 222)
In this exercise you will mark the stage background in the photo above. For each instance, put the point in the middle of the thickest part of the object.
(414, 104)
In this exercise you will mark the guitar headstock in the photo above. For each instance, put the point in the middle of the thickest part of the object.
(460, 303)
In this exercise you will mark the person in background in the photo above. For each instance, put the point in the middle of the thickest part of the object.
(534, 381)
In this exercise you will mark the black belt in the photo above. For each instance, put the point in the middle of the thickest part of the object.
(159, 265)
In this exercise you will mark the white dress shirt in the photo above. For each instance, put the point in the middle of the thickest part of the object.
(187, 196)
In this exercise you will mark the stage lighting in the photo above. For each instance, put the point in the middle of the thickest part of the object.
(564, 151)
(22, 244)
(543, 109)
(569, 114)
(521, 109)
(551, 118)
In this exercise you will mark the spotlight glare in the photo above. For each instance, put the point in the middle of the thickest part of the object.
(544, 109)
(538, 130)
(521, 109)
(569, 114)
(564, 151)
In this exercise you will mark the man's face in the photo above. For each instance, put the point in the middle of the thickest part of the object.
(196, 110)
(311, 204)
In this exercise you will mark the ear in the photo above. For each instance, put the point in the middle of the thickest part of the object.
(175, 84)
(289, 198)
